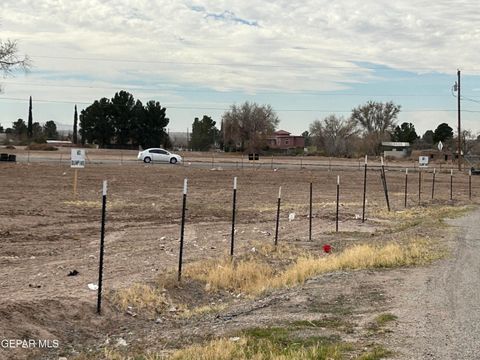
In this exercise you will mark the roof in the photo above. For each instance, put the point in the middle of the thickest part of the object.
(396, 144)
(281, 132)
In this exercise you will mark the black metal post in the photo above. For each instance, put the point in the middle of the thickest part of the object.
(232, 244)
(433, 183)
(419, 185)
(182, 229)
(406, 186)
(278, 214)
(102, 243)
(385, 188)
(451, 184)
(310, 216)
(338, 199)
(364, 189)
(470, 184)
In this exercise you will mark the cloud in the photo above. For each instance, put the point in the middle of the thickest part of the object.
(310, 45)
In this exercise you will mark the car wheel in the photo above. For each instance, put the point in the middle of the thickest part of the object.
(173, 161)
(147, 159)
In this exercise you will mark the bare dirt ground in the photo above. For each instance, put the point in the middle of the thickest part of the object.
(46, 232)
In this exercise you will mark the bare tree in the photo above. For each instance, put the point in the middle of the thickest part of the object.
(335, 135)
(377, 121)
(9, 58)
(248, 125)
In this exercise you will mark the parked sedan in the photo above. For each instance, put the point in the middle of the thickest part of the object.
(157, 154)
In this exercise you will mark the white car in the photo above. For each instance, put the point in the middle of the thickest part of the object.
(158, 154)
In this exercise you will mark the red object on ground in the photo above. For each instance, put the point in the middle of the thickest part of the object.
(327, 248)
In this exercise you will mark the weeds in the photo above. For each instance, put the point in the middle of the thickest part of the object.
(140, 297)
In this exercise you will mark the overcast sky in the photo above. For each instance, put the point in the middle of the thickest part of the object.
(308, 59)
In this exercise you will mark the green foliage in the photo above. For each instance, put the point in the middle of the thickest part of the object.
(19, 128)
(308, 140)
(428, 137)
(405, 133)
(123, 121)
(30, 120)
(1, 129)
(204, 134)
(442, 133)
(50, 130)
(75, 125)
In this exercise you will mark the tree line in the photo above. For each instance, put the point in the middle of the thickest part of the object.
(125, 122)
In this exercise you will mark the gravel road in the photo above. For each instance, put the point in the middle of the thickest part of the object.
(439, 306)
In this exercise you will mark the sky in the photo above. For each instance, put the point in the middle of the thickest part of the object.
(307, 59)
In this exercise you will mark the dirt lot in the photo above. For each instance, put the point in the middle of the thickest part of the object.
(46, 232)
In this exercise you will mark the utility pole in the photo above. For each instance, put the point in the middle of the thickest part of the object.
(459, 129)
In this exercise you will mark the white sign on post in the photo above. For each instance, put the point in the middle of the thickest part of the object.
(78, 158)
(423, 160)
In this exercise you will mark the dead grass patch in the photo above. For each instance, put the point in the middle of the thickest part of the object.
(141, 298)
(253, 277)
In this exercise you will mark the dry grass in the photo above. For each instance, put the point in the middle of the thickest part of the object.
(252, 277)
(246, 276)
(140, 297)
(259, 349)
(418, 213)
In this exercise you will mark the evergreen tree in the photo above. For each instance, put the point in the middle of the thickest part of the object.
(50, 130)
(75, 120)
(30, 120)
(204, 133)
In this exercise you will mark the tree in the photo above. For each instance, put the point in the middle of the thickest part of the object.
(37, 133)
(442, 133)
(307, 137)
(428, 137)
(204, 133)
(50, 130)
(377, 121)
(9, 59)
(95, 123)
(1, 129)
(248, 125)
(19, 128)
(30, 120)
(122, 121)
(122, 107)
(75, 121)
(334, 134)
(405, 133)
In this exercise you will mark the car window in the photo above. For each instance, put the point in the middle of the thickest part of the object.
(158, 151)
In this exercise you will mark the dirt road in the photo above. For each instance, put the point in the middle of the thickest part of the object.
(439, 306)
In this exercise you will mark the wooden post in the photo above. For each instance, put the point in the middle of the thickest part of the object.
(75, 180)
(433, 183)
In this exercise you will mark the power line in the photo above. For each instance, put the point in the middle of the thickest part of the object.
(227, 108)
(134, 87)
(197, 63)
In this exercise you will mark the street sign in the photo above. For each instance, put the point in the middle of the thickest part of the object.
(423, 160)
(78, 158)
(440, 146)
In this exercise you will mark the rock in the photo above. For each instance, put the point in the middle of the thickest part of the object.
(73, 273)
(121, 342)
(158, 320)
(291, 216)
(92, 286)
(236, 338)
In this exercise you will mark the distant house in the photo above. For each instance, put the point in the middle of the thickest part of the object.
(283, 140)
(396, 149)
